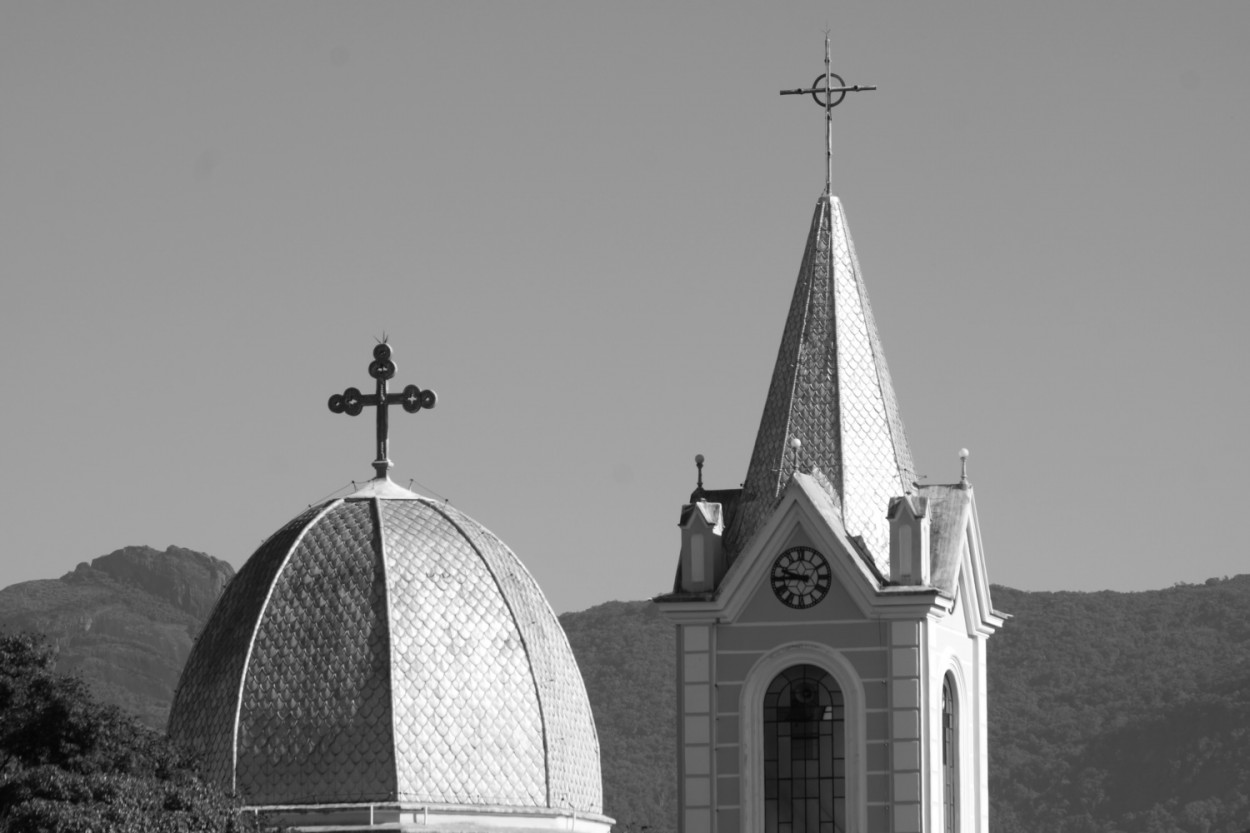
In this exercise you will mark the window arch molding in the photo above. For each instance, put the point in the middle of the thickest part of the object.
(751, 728)
(966, 772)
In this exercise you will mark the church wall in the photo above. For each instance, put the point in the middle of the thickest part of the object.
(953, 650)
(714, 663)
(899, 666)
(895, 667)
(907, 726)
(694, 727)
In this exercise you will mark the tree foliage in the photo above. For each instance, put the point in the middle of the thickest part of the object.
(69, 764)
(1122, 712)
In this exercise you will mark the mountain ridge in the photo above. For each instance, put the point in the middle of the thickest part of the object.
(1109, 712)
(124, 621)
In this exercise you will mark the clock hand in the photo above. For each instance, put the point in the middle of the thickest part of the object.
(796, 576)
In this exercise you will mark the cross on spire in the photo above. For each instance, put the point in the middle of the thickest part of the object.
(829, 102)
(352, 401)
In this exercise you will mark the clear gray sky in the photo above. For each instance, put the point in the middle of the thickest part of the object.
(581, 225)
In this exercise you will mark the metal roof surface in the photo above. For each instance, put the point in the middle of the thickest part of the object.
(949, 509)
(389, 649)
(831, 390)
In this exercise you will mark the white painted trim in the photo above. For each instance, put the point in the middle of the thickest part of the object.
(966, 770)
(966, 592)
(390, 631)
(312, 817)
(990, 621)
(751, 730)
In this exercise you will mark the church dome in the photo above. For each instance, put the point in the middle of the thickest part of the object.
(387, 650)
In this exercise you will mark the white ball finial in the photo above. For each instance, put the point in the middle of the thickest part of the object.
(963, 465)
(963, 454)
(796, 443)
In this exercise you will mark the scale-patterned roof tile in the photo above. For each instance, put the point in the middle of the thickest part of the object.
(389, 649)
(831, 390)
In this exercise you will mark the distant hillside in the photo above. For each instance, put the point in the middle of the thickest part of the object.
(125, 621)
(628, 658)
(1109, 712)
(1122, 711)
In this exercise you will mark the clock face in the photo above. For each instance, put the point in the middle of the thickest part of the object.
(800, 577)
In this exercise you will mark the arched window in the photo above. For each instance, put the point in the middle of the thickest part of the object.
(950, 756)
(804, 753)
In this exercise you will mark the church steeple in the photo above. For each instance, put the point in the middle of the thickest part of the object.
(831, 390)
(831, 597)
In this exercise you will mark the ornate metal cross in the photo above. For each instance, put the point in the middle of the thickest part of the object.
(828, 103)
(352, 401)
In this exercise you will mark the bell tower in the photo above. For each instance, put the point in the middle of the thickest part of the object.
(832, 614)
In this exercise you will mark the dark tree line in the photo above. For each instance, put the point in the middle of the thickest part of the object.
(70, 764)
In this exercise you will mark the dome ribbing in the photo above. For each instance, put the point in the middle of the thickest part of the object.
(384, 648)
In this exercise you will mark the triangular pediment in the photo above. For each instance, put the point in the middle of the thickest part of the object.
(806, 515)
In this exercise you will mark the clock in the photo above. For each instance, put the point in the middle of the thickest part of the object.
(800, 577)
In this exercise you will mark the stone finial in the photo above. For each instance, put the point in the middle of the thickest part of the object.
(963, 464)
(698, 493)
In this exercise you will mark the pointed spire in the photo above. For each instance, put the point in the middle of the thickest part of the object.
(831, 391)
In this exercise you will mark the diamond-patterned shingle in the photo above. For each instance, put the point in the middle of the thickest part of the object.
(468, 726)
(569, 727)
(315, 720)
(207, 700)
(831, 389)
(389, 649)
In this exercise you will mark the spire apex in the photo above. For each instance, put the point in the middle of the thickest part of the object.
(827, 89)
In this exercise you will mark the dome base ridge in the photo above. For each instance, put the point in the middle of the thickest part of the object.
(420, 817)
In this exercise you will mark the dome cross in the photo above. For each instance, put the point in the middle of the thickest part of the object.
(352, 402)
(828, 103)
